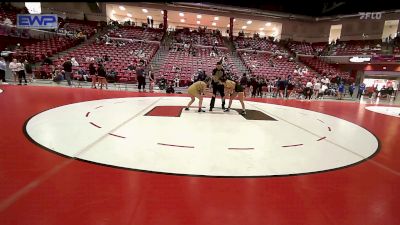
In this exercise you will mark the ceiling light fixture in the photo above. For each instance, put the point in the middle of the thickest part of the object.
(145, 10)
(249, 22)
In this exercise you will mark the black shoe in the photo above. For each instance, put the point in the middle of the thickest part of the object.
(210, 110)
(226, 110)
(243, 113)
(200, 110)
(187, 109)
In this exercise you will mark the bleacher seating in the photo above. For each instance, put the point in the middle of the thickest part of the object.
(76, 26)
(259, 64)
(139, 33)
(6, 41)
(9, 12)
(48, 47)
(189, 64)
(319, 46)
(324, 68)
(206, 38)
(261, 44)
(360, 47)
(301, 48)
(120, 56)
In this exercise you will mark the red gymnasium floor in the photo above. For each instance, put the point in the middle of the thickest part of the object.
(39, 187)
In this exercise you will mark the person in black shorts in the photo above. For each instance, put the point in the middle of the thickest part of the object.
(218, 75)
(140, 78)
(290, 87)
(233, 89)
(102, 75)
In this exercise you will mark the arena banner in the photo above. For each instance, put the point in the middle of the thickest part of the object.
(37, 21)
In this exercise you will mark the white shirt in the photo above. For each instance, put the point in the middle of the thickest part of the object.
(317, 86)
(7, 21)
(325, 81)
(20, 67)
(309, 84)
(13, 66)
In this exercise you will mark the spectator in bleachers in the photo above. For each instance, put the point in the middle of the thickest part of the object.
(271, 62)
(212, 54)
(47, 60)
(58, 75)
(201, 75)
(68, 70)
(7, 21)
(83, 74)
(112, 75)
(131, 67)
(325, 80)
(322, 91)
(89, 59)
(74, 62)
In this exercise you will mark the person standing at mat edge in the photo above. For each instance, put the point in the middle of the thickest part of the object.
(217, 85)
(140, 78)
(68, 70)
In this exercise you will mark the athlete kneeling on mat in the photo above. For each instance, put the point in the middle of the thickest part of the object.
(234, 89)
(196, 90)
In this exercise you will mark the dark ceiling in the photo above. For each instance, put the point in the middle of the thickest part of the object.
(315, 8)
